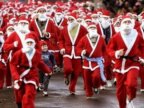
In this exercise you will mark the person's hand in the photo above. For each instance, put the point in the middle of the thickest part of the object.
(119, 53)
(62, 51)
(45, 33)
(83, 53)
(15, 43)
(141, 60)
(17, 84)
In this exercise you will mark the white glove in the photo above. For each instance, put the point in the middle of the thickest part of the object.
(141, 60)
(83, 53)
(15, 43)
(16, 84)
(119, 53)
(62, 51)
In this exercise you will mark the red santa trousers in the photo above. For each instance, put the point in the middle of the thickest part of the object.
(26, 95)
(126, 86)
(2, 75)
(92, 79)
(141, 75)
(8, 76)
(72, 68)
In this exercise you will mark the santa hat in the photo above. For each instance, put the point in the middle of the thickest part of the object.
(9, 26)
(41, 7)
(88, 18)
(58, 11)
(30, 37)
(125, 18)
(72, 15)
(105, 13)
(23, 19)
(42, 42)
(91, 24)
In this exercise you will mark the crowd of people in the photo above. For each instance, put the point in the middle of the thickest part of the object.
(37, 39)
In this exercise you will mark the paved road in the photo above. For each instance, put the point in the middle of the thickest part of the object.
(59, 97)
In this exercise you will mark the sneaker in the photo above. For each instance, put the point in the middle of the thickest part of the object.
(109, 83)
(142, 90)
(45, 93)
(102, 88)
(89, 97)
(8, 87)
(96, 90)
(72, 93)
(66, 80)
(130, 104)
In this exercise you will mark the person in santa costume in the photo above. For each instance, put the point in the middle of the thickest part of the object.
(106, 30)
(15, 41)
(92, 48)
(68, 40)
(25, 74)
(127, 48)
(46, 30)
(140, 29)
(2, 60)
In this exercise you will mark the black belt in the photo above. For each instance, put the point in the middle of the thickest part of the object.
(26, 67)
(132, 58)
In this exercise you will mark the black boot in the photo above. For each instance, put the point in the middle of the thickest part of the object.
(19, 105)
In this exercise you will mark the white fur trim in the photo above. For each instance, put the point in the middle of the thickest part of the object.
(125, 19)
(31, 82)
(30, 40)
(126, 70)
(23, 21)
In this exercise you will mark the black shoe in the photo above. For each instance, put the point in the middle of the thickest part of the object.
(96, 90)
(66, 80)
(19, 105)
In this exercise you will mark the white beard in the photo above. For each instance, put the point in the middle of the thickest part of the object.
(1, 39)
(92, 33)
(23, 29)
(117, 29)
(58, 18)
(126, 29)
(105, 24)
(72, 25)
(42, 17)
(96, 21)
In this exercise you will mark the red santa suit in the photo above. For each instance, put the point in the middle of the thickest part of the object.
(141, 31)
(126, 68)
(108, 60)
(52, 39)
(71, 58)
(59, 26)
(2, 62)
(92, 76)
(24, 70)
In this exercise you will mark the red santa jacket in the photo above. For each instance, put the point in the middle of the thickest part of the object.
(140, 30)
(49, 27)
(133, 49)
(66, 42)
(92, 51)
(17, 36)
(25, 66)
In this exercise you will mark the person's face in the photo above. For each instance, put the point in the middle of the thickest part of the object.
(41, 11)
(127, 22)
(29, 43)
(44, 48)
(70, 20)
